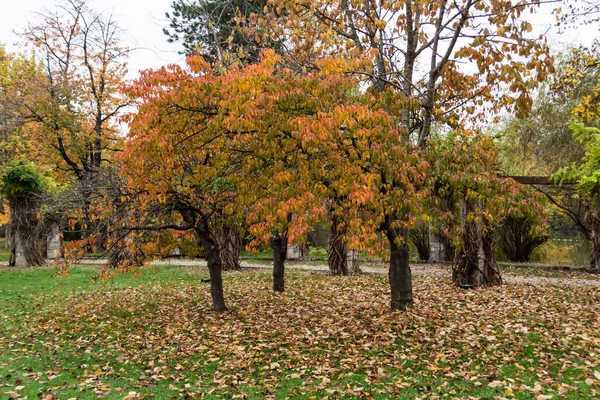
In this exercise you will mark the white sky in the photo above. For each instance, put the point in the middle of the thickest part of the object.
(141, 20)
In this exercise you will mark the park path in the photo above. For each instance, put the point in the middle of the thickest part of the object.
(418, 270)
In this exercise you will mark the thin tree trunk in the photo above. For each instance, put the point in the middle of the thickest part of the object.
(279, 246)
(337, 257)
(399, 275)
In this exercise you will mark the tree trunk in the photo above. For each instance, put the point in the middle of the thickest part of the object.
(337, 257)
(26, 231)
(440, 246)
(491, 271)
(594, 222)
(213, 260)
(399, 273)
(475, 264)
(279, 246)
(230, 244)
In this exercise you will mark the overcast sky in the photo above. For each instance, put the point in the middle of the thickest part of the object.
(143, 21)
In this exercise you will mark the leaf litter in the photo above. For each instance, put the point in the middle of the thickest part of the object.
(325, 337)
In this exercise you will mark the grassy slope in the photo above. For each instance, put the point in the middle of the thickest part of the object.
(326, 336)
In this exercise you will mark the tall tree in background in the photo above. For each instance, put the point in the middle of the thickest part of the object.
(584, 66)
(211, 29)
(84, 64)
(21, 80)
(23, 186)
(84, 67)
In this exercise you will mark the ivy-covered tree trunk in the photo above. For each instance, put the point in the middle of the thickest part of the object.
(337, 255)
(229, 239)
(594, 222)
(399, 274)
(279, 243)
(26, 230)
(475, 263)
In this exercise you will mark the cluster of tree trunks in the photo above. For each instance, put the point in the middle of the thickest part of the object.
(475, 263)
(518, 240)
(593, 220)
(419, 237)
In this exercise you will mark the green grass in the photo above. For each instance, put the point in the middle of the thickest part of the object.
(156, 335)
(4, 252)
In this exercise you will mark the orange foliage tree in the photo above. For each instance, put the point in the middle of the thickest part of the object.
(437, 63)
(84, 65)
(265, 140)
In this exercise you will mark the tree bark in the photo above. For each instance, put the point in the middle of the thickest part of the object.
(26, 231)
(213, 260)
(475, 264)
(230, 244)
(337, 257)
(594, 222)
(279, 246)
(399, 274)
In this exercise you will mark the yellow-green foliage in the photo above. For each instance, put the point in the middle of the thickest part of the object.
(562, 252)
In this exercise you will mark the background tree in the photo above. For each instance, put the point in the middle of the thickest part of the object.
(542, 143)
(84, 65)
(467, 166)
(519, 236)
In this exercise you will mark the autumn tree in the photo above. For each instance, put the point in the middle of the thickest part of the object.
(18, 75)
(266, 141)
(84, 65)
(423, 55)
(585, 124)
(23, 186)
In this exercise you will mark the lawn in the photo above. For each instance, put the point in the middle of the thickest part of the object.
(156, 336)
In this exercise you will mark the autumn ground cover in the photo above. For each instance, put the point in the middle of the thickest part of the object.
(156, 335)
